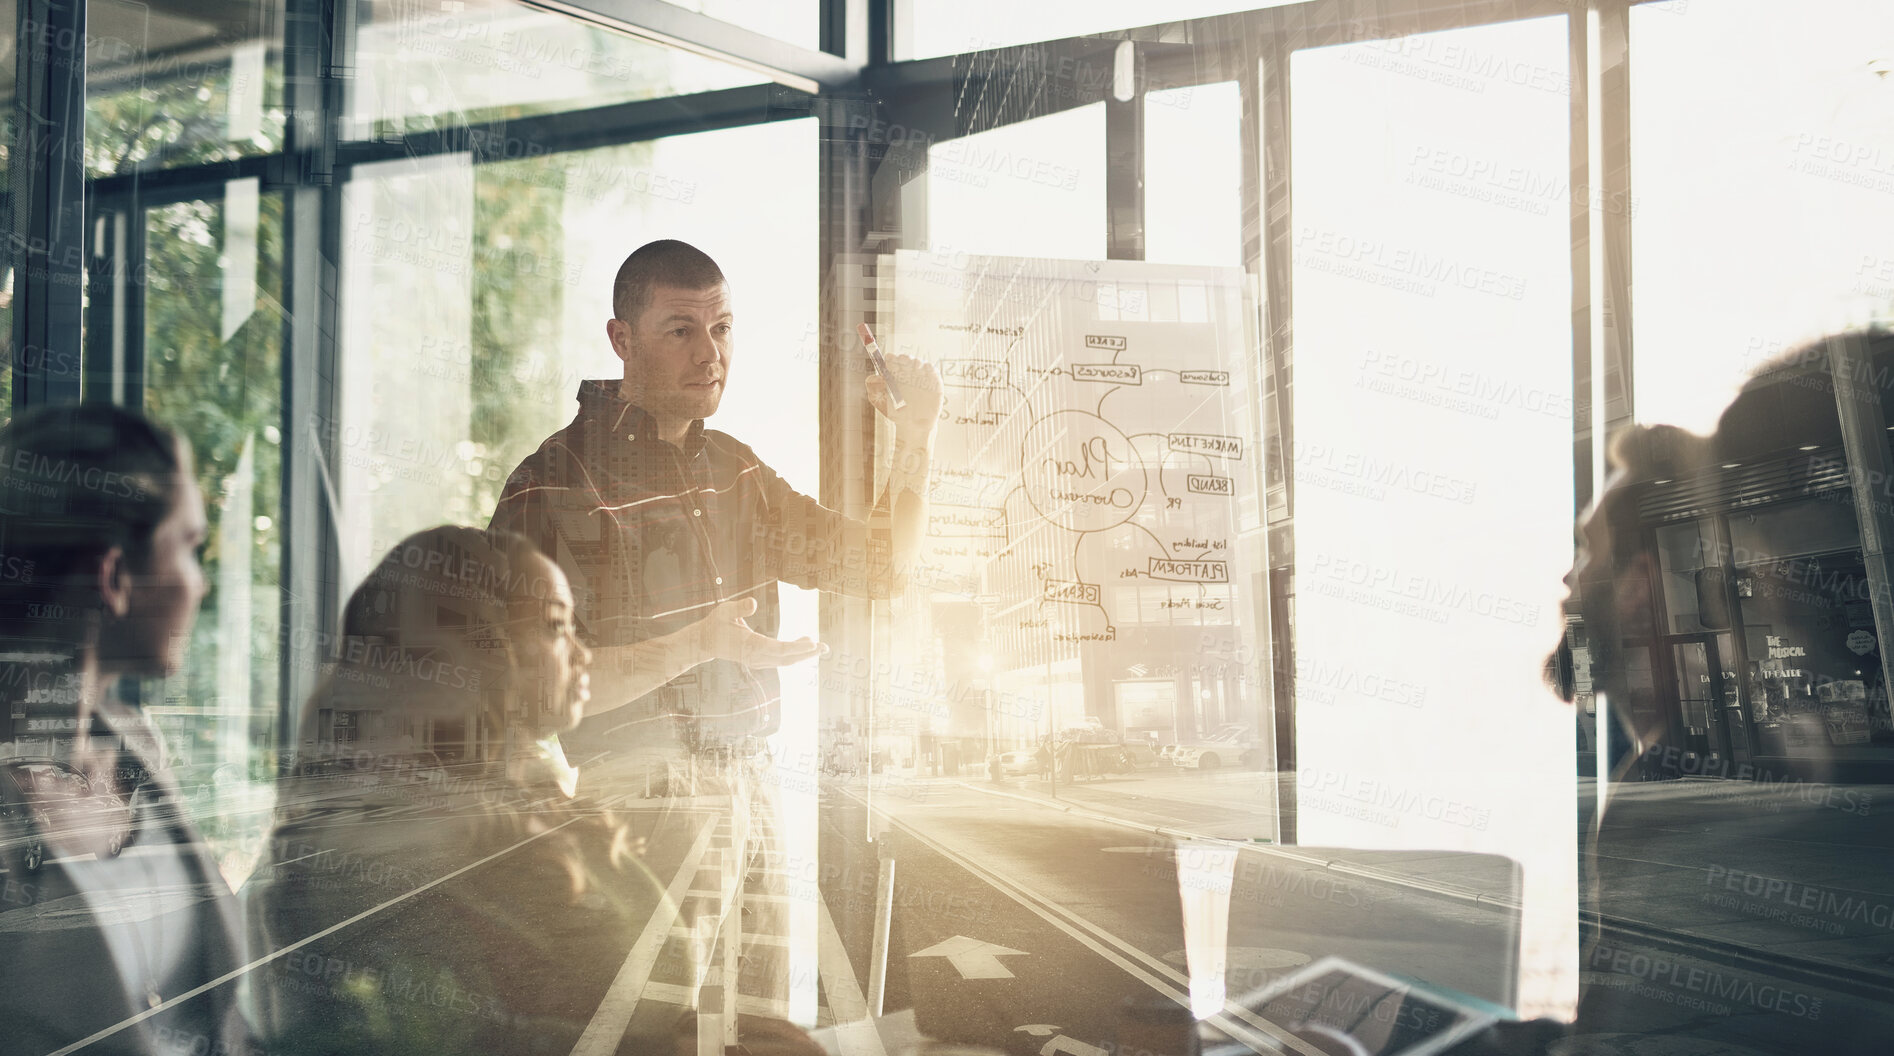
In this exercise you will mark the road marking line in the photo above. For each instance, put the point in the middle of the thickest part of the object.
(748, 896)
(855, 1033)
(673, 994)
(1155, 964)
(300, 943)
(607, 1029)
(749, 937)
(1038, 905)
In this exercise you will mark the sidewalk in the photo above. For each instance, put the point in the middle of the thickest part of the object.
(1788, 877)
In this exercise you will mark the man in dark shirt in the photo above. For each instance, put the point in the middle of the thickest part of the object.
(674, 536)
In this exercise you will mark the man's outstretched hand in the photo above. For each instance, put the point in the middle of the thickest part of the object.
(725, 634)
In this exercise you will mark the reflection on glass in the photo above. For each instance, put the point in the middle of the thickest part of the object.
(511, 266)
(118, 926)
(486, 60)
(171, 84)
(213, 340)
(1433, 419)
(459, 672)
(1050, 769)
(1086, 552)
(1767, 738)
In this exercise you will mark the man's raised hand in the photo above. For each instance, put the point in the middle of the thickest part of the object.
(920, 388)
(725, 634)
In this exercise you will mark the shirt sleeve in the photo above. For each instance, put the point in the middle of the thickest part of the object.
(806, 544)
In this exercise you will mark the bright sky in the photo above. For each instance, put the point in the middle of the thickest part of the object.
(1433, 461)
(1763, 203)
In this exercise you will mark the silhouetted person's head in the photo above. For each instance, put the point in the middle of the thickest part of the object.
(1779, 442)
(459, 623)
(671, 325)
(100, 526)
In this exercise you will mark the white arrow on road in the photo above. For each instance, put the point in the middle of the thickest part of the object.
(973, 958)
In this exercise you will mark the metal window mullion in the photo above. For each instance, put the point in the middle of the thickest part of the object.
(679, 27)
(316, 33)
(1274, 254)
(48, 182)
(1263, 629)
(845, 30)
(1611, 175)
(115, 326)
(1587, 443)
(1124, 178)
(843, 189)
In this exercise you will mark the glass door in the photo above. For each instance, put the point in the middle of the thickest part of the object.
(1707, 697)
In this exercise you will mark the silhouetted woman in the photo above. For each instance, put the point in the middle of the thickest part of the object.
(118, 927)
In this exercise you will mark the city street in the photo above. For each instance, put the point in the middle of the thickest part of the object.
(1014, 922)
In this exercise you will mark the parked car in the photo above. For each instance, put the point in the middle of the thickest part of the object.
(1024, 762)
(1168, 753)
(1231, 745)
(46, 806)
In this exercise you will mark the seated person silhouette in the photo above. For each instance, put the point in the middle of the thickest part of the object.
(119, 929)
(440, 880)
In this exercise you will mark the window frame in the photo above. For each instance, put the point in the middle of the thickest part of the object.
(875, 115)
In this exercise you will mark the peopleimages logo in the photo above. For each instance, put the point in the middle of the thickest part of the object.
(1329, 683)
(1676, 983)
(1313, 461)
(1455, 387)
(1367, 583)
(1319, 783)
(1830, 904)
(1401, 267)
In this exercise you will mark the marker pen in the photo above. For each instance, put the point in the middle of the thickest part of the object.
(881, 365)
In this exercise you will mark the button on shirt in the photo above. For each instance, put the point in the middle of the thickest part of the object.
(653, 536)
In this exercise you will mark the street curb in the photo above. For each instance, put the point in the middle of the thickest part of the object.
(1860, 983)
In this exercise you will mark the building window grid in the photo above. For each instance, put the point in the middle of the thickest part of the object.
(1284, 30)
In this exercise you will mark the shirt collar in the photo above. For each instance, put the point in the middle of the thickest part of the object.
(599, 402)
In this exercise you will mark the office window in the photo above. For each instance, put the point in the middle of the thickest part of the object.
(171, 84)
(1126, 669)
(1193, 175)
(466, 63)
(1803, 138)
(1432, 405)
(797, 22)
(1034, 189)
(480, 294)
(925, 29)
(213, 372)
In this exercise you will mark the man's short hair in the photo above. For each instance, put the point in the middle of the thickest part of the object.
(666, 262)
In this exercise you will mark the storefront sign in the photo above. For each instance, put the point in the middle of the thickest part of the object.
(1862, 642)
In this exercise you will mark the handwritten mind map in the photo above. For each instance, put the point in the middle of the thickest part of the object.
(1096, 453)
